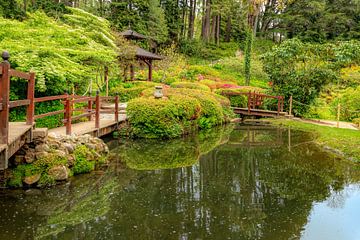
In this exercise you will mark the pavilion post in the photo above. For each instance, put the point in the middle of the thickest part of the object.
(132, 72)
(150, 70)
(4, 98)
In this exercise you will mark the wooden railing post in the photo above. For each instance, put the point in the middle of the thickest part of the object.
(97, 110)
(90, 103)
(249, 101)
(4, 98)
(278, 108)
(68, 114)
(291, 103)
(117, 108)
(30, 96)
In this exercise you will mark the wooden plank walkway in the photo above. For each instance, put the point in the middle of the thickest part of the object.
(107, 126)
(19, 134)
(258, 112)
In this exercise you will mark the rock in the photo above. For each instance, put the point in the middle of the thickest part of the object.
(236, 120)
(40, 155)
(19, 159)
(60, 153)
(59, 173)
(30, 157)
(69, 147)
(32, 179)
(71, 160)
(42, 148)
(91, 146)
(40, 133)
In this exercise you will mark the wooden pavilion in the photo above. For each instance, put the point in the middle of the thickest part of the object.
(141, 54)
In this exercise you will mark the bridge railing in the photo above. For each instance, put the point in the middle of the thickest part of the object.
(256, 100)
(69, 101)
(5, 104)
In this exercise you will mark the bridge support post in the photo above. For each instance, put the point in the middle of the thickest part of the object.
(97, 110)
(4, 98)
(68, 115)
(117, 108)
(30, 96)
(249, 102)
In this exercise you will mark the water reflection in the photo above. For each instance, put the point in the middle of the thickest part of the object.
(242, 183)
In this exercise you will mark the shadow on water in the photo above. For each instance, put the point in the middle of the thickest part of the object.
(234, 182)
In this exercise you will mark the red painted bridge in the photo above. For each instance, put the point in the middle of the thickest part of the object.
(13, 135)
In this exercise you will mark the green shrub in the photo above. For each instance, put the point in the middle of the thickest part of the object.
(162, 118)
(83, 162)
(131, 90)
(182, 111)
(349, 101)
(190, 85)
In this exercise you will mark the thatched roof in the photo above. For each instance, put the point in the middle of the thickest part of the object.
(143, 54)
(130, 34)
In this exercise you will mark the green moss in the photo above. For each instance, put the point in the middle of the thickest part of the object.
(82, 162)
(16, 179)
(46, 181)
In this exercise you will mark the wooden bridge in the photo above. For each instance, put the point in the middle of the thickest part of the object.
(81, 114)
(255, 102)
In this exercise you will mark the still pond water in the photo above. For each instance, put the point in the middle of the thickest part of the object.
(236, 182)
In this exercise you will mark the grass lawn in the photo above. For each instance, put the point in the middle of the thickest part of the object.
(346, 141)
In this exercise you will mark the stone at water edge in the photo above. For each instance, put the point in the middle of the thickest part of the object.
(42, 148)
(70, 148)
(30, 157)
(40, 155)
(32, 179)
(59, 173)
(236, 120)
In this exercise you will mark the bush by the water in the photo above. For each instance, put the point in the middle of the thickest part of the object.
(131, 90)
(190, 85)
(304, 69)
(180, 112)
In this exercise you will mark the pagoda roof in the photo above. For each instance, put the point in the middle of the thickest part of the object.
(130, 34)
(143, 54)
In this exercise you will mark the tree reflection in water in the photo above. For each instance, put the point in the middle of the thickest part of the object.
(247, 183)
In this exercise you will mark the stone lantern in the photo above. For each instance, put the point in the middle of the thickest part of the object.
(158, 92)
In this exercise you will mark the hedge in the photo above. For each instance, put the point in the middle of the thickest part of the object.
(181, 111)
(190, 85)
(131, 90)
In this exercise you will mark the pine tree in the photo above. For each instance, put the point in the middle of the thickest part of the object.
(157, 26)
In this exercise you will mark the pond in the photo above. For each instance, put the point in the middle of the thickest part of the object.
(233, 182)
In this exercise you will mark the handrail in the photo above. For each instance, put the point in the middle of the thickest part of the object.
(50, 98)
(19, 103)
(19, 74)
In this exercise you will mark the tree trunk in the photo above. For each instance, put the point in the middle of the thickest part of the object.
(228, 29)
(207, 21)
(217, 36)
(213, 28)
(192, 19)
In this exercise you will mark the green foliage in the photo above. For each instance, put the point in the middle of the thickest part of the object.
(83, 160)
(131, 90)
(321, 20)
(158, 30)
(207, 51)
(300, 70)
(183, 111)
(161, 118)
(46, 181)
(349, 101)
(190, 85)
(248, 51)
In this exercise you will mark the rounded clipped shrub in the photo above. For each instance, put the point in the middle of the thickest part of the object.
(131, 90)
(180, 112)
(190, 85)
(162, 118)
